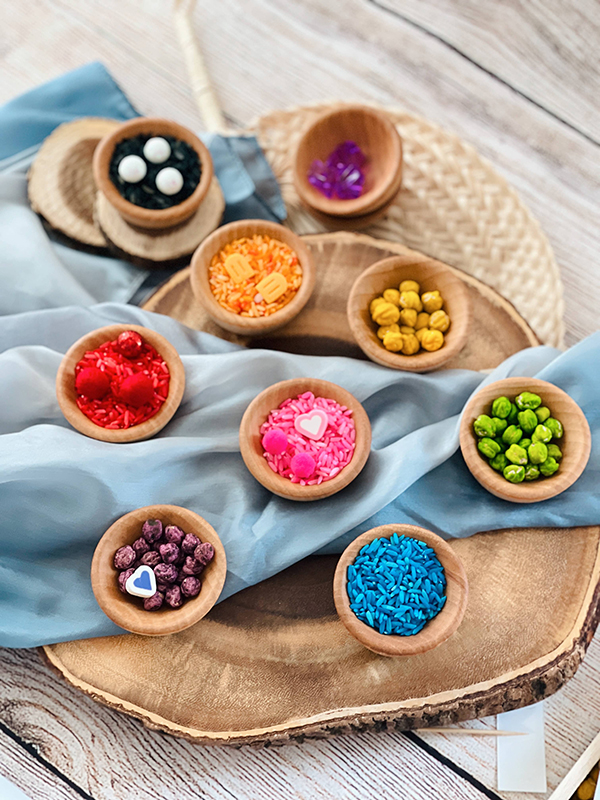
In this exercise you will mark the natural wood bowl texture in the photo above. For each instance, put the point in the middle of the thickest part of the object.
(437, 630)
(294, 671)
(431, 275)
(257, 413)
(128, 612)
(575, 444)
(378, 139)
(250, 326)
(67, 396)
(153, 219)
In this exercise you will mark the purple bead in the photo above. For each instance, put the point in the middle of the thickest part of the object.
(155, 602)
(192, 566)
(173, 597)
(122, 579)
(152, 530)
(204, 553)
(341, 175)
(166, 573)
(140, 546)
(191, 586)
(124, 557)
(169, 552)
(190, 543)
(151, 558)
(174, 534)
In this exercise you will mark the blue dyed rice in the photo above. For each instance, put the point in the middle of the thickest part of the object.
(396, 585)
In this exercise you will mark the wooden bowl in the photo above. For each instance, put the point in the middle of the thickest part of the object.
(67, 396)
(437, 630)
(250, 326)
(378, 139)
(431, 275)
(575, 444)
(258, 411)
(154, 219)
(127, 611)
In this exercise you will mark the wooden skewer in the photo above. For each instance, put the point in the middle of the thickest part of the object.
(470, 731)
(578, 772)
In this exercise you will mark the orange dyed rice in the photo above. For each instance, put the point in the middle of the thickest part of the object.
(265, 255)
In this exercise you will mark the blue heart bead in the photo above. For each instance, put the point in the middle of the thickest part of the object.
(143, 581)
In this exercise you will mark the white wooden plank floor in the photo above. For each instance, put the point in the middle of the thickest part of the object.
(520, 81)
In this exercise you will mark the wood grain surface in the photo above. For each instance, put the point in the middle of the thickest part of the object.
(518, 80)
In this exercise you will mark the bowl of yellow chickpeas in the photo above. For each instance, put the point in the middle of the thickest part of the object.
(410, 313)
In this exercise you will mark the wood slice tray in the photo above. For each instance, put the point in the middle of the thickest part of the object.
(274, 663)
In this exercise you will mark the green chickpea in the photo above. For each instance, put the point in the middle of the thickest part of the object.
(501, 407)
(556, 428)
(549, 467)
(514, 473)
(528, 400)
(525, 443)
(538, 453)
(527, 420)
(516, 455)
(484, 426)
(499, 424)
(542, 413)
(512, 417)
(499, 462)
(488, 447)
(555, 452)
(512, 434)
(531, 472)
(541, 434)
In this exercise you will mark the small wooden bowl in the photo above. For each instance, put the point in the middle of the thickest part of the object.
(258, 411)
(127, 611)
(379, 140)
(431, 275)
(576, 443)
(148, 218)
(436, 630)
(250, 326)
(67, 396)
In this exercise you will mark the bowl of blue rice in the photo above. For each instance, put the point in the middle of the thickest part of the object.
(400, 590)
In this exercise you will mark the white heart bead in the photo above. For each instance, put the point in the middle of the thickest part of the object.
(157, 150)
(169, 181)
(132, 169)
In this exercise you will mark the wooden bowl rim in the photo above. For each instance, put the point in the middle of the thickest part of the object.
(149, 217)
(573, 462)
(371, 200)
(165, 620)
(422, 361)
(275, 483)
(447, 620)
(250, 326)
(137, 433)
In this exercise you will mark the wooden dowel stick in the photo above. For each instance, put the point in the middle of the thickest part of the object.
(578, 772)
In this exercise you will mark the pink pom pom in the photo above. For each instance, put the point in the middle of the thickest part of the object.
(275, 441)
(303, 465)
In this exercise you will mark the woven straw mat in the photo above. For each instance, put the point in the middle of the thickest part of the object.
(452, 206)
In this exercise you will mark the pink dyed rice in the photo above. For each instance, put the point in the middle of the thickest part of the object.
(332, 452)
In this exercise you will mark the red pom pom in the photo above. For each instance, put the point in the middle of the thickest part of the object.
(93, 383)
(303, 465)
(137, 390)
(129, 344)
(275, 441)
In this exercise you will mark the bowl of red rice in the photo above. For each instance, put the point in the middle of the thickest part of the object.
(252, 276)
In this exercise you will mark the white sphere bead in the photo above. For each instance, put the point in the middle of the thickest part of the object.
(169, 181)
(132, 169)
(157, 150)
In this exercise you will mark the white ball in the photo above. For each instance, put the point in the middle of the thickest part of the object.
(132, 169)
(157, 150)
(169, 181)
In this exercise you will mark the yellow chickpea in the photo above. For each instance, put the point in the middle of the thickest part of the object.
(411, 300)
(410, 286)
(432, 340)
(386, 313)
(410, 345)
(406, 329)
(586, 790)
(439, 321)
(374, 303)
(393, 328)
(392, 296)
(432, 301)
(422, 320)
(420, 333)
(393, 341)
(408, 316)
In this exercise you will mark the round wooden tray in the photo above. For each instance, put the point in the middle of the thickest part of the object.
(279, 647)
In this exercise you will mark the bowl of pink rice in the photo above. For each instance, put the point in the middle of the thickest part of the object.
(305, 438)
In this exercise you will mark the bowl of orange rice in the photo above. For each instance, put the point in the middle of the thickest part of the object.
(252, 276)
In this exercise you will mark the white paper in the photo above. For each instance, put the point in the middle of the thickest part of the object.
(522, 759)
(8, 791)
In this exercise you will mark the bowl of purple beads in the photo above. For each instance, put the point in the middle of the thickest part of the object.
(158, 570)
(348, 163)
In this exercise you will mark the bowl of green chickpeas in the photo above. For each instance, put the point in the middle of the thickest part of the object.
(524, 440)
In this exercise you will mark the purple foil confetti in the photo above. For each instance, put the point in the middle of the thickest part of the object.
(341, 175)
